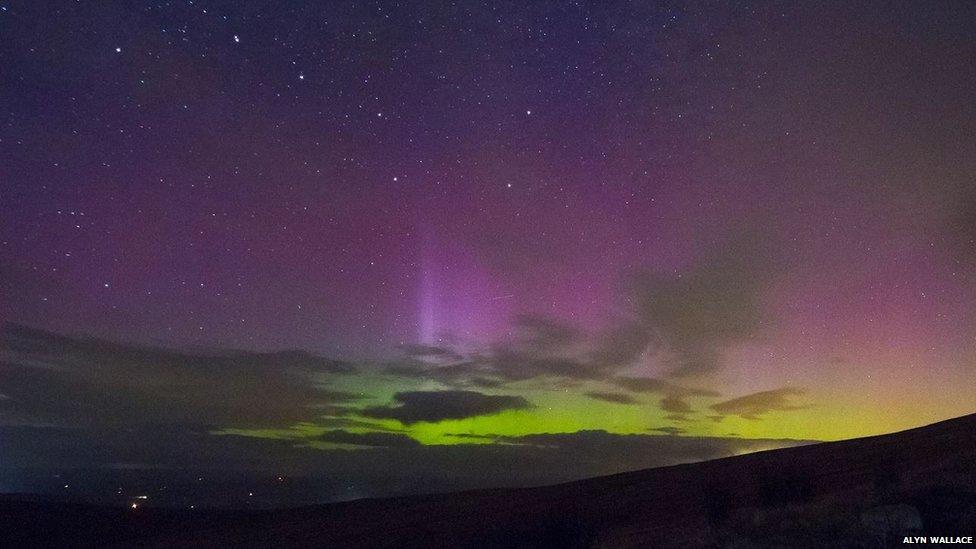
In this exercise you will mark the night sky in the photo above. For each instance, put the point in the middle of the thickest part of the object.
(396, 247)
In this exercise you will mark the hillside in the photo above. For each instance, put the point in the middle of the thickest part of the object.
(849, 493)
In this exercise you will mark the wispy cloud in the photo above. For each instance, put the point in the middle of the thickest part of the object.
(755, 405)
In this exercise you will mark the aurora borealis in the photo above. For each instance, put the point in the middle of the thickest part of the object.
(411, 240)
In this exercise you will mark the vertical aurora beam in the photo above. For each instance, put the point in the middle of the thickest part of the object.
(430, 292)
(457, 296)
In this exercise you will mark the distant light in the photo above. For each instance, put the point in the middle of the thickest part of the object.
(237, 39)
(528, 112)
(250, 494)
(118, 50)
(134, 506)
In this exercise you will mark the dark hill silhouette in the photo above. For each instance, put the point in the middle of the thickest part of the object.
(864, 492)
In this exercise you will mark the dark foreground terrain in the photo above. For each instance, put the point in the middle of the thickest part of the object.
(859, 493)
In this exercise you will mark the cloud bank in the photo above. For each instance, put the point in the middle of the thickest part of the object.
(55, 379)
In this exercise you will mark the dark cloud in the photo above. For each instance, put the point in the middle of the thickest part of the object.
(485, 383)
(540, 348)
(697, 315)
(453, 373)
(44, 345)
(50, 378)
(618, 398)
(433, 406)
(756, 404)
(675, 405)
(515, 364)
(370, 439)
(545, 333)
(410, 369)
(500, 365)
(675, 396)
(673, 431)
(620, 345)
